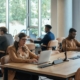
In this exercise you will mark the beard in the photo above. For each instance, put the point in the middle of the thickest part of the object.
(72, 37)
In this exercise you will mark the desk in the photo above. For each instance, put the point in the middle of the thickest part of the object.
(60, 71)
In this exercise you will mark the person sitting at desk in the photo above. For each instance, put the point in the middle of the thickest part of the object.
(71, 43)
(5, 40)
(48, 37)
(19, 53)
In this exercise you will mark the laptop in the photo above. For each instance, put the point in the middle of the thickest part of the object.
(44, 57)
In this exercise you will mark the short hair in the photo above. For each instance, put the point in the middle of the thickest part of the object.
(4, 29)
(48, 26)
(20, 35)
(72, 30)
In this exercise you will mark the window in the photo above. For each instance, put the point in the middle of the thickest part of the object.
(2, 12)
(17, 16)
(46, 11)
(34, 13)
(27, 16)
(33, 31)
(44, 15)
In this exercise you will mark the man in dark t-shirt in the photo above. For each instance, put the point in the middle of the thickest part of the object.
(5, 40)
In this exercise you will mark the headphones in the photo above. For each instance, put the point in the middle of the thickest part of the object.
(16, 38)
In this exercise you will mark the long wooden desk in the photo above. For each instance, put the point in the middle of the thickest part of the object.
(59, 72)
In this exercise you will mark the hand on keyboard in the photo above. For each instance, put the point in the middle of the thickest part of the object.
(32, 60)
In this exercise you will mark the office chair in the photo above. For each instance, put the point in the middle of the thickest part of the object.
(31, 47)
(52, 45)
(77, 75)
(4, 60)
(60, 39)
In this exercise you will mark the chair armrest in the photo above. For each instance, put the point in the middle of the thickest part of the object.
(2, 51)
(43, 46)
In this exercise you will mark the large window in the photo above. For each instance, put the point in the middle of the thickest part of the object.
(34, 13)
(46, 14)
(28, 16)
(17, 16)
(33, 18)
(2, 12)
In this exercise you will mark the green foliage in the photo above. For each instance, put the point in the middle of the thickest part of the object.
(46, 8)
(34, 8)
(34, 31)
(17, 11)
(2, 11)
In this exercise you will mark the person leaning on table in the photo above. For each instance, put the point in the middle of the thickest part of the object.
(71, 43)
(19, 53)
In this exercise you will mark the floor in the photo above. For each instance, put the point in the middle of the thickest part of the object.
(41, 78)
(44, 78)
(0, 78)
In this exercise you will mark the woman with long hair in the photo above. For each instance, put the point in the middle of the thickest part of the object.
(19, 53)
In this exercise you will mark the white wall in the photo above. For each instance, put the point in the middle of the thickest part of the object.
(61, 17)
(76, 17)
(67, 16)
(54, 16)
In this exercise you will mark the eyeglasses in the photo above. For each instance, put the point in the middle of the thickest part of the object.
(24, 39)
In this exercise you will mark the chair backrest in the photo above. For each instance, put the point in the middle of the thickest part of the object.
(60, 39)
(52, 43)
(77, 75)
(4, 60)
(31, 47)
